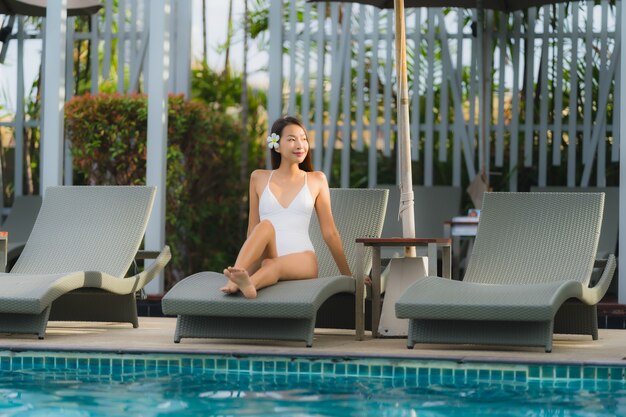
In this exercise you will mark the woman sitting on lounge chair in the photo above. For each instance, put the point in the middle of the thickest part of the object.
(281, 203)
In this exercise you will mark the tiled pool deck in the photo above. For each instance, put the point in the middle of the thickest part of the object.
(155, 334)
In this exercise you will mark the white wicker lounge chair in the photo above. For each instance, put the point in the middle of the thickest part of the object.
(74, 263)
(533, 252)
(287, 310)
(19, 224)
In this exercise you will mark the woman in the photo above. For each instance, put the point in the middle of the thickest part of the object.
(278, 246)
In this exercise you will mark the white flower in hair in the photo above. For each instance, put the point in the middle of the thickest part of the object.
(272, 141)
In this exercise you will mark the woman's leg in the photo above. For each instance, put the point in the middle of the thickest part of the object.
(302, 265)
(261, 243)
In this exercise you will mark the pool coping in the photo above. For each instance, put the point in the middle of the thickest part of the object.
(155, 336)
(324, 355)
(301, 365)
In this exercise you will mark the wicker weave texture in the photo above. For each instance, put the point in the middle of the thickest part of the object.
(20, 222)
(87, 229)
(200, 295)
(357, 213)
(532, 238)
(610, 218)
(436, 298)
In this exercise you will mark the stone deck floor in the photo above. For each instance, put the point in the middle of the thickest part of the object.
(155, 335)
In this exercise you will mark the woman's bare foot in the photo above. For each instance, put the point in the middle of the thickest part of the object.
(231, 287)
(240, 277)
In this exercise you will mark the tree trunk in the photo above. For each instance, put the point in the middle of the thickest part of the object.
(229, 35)
(204, 38)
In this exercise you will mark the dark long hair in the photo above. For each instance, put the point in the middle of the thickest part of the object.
(277, 128)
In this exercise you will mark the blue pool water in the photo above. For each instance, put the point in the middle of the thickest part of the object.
(115, 385)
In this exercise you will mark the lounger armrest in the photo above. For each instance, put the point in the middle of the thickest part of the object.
(593, 295)
(4, 247)
(154, 269)
(147, 254)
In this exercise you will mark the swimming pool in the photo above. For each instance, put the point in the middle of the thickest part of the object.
(90, 384)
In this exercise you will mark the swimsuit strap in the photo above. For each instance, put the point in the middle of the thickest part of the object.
(270, 177)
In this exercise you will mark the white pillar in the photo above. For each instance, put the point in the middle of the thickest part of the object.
(275, 66)
(53, 94)
(622, 168)
(181, 52)
(159, 49)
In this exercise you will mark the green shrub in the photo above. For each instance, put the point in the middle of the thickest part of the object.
(203, 227)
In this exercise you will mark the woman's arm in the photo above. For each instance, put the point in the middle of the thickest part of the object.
(327, 223)
(253, 200)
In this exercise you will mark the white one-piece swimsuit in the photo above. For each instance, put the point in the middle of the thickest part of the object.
(291, 223)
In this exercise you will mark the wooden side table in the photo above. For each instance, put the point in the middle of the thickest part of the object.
(376, 243)
(457, 230)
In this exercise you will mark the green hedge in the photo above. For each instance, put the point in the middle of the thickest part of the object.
(108, 135)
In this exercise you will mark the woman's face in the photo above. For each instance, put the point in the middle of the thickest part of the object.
(293, 145)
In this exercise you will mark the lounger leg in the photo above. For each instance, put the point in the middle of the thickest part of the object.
(410, 342)
(177, 331)
(25, 323)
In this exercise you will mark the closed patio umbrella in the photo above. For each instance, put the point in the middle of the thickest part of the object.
(38, 7)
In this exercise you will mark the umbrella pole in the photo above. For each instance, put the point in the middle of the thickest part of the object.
(407, 213)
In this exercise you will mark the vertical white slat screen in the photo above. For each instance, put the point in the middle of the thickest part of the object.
(388, 102)
(443, 113)
(472, 93)
(600, 119)
(430, 100)
(499, 151)
(587, 91)
(94, 44)
(372, 157)
(133, 41)
(346, 139)
(306, 70)
(459, 122)
(68, 176)
(340, 62)
(337, 69)
(543, 131)
(488, 107)
(455, 84)
(415, 115)
(360, 80)
(557, 138)
(604, 79)
(293, 49)
(336, 58)
(108, 39)
(572, 130)
(121, 44)
(514, 162)
(340, 55)
(530, 64)
(319, 88)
